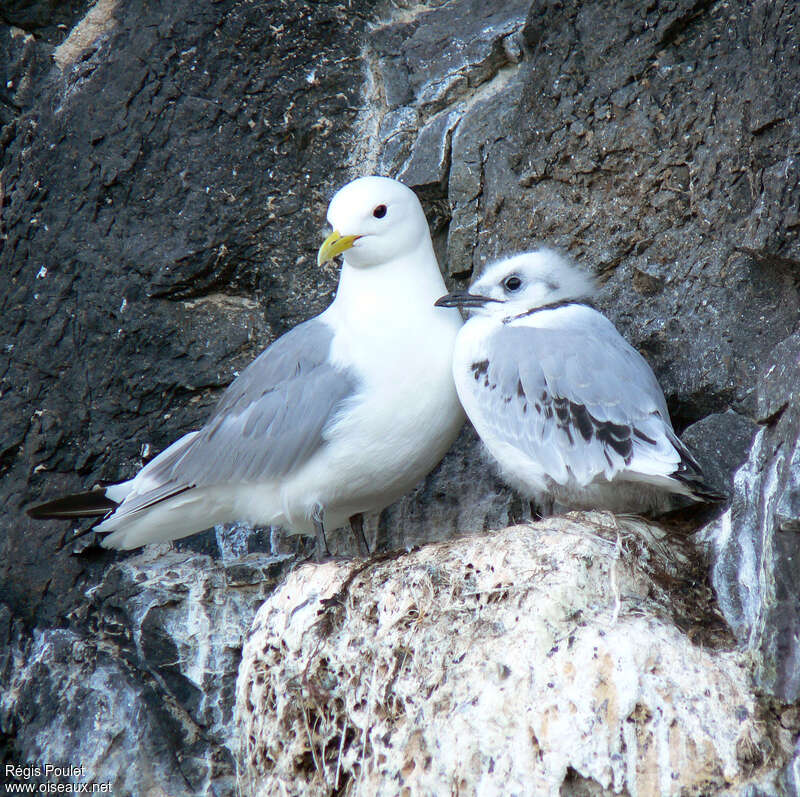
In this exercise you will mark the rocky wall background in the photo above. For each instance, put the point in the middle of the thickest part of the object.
(164, 174)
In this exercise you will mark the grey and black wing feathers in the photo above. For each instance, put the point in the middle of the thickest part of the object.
(690, 474)
(579, 400)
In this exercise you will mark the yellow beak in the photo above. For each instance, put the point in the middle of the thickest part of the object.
(334, 245)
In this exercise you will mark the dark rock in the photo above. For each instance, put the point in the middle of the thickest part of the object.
(463, 495)
(721, 443)
(48, 20)
(147, 671)
(429, 163)
(163, 182)
(439, 55)
(23, 62)
(756, 544)
(429, 70)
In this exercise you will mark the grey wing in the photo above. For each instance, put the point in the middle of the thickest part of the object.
(578, 400)
(269, 421)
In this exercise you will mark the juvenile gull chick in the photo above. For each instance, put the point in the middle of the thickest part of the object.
(571, 412)
(342, 415)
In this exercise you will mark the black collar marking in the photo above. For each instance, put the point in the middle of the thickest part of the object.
(551, 306)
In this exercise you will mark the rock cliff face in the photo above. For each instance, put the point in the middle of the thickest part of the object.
(163, 180)
(138, 686)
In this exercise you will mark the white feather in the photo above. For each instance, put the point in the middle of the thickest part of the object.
(569, 410)
(384, 438)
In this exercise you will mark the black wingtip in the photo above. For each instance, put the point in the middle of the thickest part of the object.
(700, 491)
(690, 474)
(709, 494)
(93, 503)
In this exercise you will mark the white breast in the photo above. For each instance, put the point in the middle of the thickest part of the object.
(406, 413)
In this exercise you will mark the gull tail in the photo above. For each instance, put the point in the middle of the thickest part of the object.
(700, 491)
(690, 475)
(92, 503)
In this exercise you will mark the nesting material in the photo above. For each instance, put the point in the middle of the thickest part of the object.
(573, 654)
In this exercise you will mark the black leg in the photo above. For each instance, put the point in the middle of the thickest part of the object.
(544, 507)
(357, 527)
(322, 543)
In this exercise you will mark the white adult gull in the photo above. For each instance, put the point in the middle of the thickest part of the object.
(341, 415)
(572, 413)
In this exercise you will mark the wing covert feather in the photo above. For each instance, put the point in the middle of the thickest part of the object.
(578, 400)
(269, 421)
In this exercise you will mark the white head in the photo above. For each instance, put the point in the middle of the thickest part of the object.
(374, 219)
(522, 283)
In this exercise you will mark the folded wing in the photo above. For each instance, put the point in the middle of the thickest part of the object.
(269, 422)
(578, 400)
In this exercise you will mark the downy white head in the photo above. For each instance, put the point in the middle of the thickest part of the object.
(522, 283)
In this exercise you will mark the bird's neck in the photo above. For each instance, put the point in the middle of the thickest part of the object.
(409, 284)
(553, 305)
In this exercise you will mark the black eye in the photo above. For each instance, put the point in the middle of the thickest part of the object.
(512, 283)
(379, 211)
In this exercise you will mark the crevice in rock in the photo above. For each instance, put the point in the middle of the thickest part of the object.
(364, 157)
(766, 258)
(685, 410)
(682, 23)
(211, 270)
(575, 785)
(427, 97)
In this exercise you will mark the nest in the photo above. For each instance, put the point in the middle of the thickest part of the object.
(578, 650)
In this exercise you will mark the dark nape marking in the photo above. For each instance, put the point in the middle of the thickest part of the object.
(550, 306)
(520, 389)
